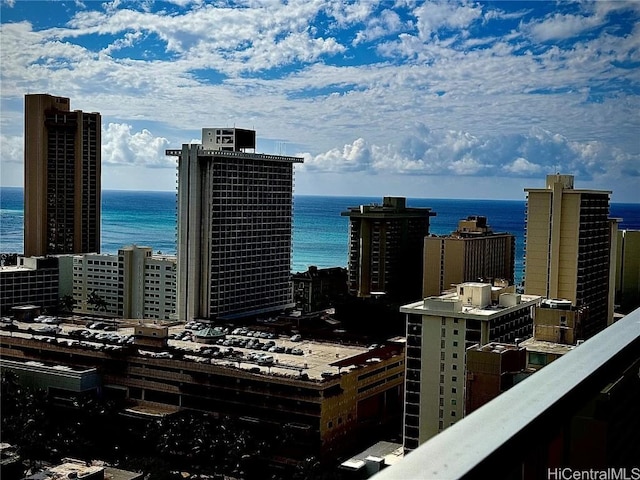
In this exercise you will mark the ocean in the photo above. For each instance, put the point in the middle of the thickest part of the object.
(320, 234)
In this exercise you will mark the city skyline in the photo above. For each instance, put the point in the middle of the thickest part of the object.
(441, 100)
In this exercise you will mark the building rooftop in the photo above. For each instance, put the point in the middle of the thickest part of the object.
(318, 360)
(495, 347)
(390, 452)
(533, 345)
(476, 303)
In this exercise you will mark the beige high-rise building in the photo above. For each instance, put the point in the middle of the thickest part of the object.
(568, 249)
(627, 282)
(470, 253)
(61, 177)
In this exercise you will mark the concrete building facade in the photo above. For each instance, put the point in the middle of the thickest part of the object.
(318, 288)
(470, 253)
(491, 370)
(327, 400)
(439, 331)
(234, 227)
(62, 169)
(133, 284)
(569, 249)
(33, 281)
(627, 280)
(386, 245)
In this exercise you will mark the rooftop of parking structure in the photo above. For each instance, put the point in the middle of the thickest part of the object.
(317, 359)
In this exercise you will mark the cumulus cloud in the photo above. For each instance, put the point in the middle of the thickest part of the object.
(562, 26)
(435, 15)
(122, 146)
(353, 157)
(347, 79)
(428, 152)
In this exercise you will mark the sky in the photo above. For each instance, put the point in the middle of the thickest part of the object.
(438, 99)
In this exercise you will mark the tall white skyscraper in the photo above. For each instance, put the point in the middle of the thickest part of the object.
(234, 227)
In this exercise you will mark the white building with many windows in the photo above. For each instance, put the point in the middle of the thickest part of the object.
(439, 330)
(234, 227)
(132, 284)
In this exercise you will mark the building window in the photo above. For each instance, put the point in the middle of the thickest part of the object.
(330, 425)
(454, 379)
(455, 332)
(454, 366)
(453, 413)
(455, 355)
(537, 358)
(455, 344)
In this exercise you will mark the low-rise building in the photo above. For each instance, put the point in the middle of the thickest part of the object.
(491, 369)
(318, 288)
(135, 283)
(34, 280)
(328, 396)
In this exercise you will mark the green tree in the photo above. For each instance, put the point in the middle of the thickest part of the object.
(67, 303)
(98, 303)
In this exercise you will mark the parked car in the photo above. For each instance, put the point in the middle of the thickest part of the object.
(296, 338)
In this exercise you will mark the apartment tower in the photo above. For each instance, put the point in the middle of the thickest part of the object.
(386, 248)
(474, 251)
(61, 177)
(568, 249)
(440, 329)
(234, 227)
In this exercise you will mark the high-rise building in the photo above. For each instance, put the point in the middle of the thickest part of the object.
(386, 245)
(627, 279)
(61, 177)
(439, 331)
(568, 250)
(234, 227)
(470, 253)
(132, 284)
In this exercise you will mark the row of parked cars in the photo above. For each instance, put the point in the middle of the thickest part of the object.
(78, 343)
(102, 336)
(47, 319)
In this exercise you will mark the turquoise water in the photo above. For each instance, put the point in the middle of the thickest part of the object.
(319, 232)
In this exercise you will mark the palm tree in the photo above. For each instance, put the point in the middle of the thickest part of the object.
(98, 303)
(67, 303)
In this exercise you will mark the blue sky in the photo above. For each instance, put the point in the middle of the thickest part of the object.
(421, 99)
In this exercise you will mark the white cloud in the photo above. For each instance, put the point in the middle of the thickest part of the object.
(435, 15)
(523, 167)
(562, 26)
(290, 70)
(386, 23)
(427, 152)
(121, 146)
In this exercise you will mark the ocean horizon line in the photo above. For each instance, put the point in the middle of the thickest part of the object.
(368, 197)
